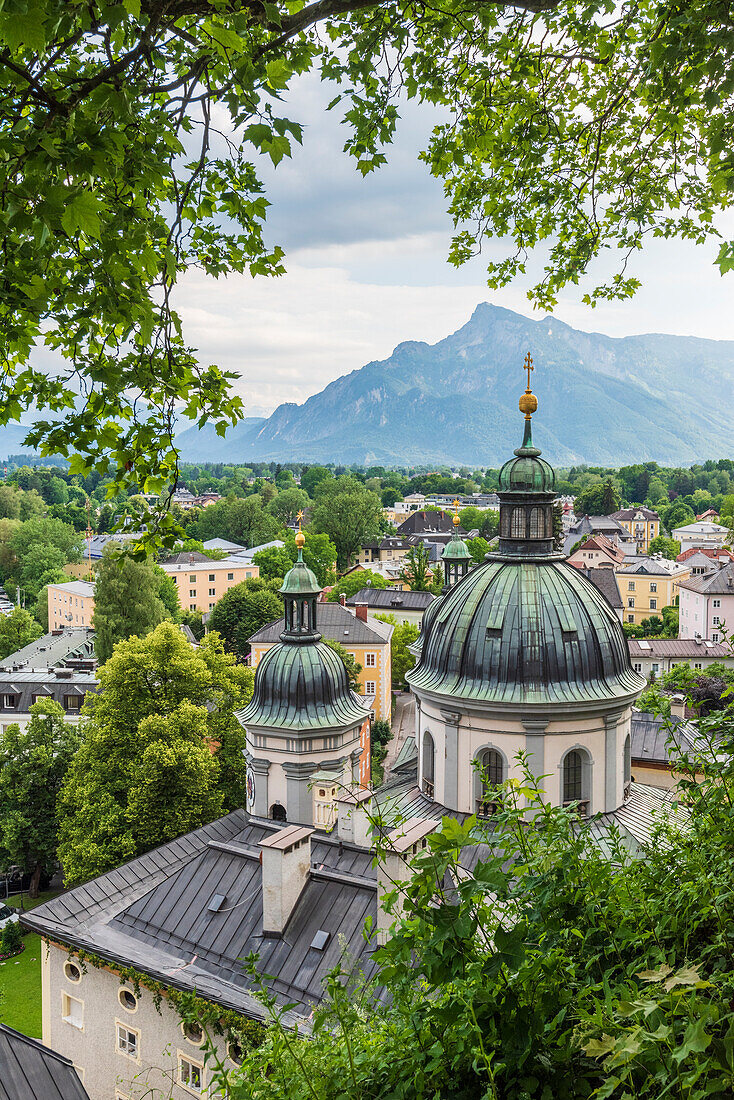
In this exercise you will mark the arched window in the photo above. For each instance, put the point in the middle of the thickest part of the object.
(429, 764)
(277, 812)
(505, 523)
(627, 766)
(490, 775)
(518, 523)
(576, 780)
(537, 523)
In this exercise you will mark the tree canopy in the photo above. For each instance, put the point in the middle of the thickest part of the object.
(576, 134)
(17, 629)
(243, 610)
(347, 512)
(162, 751)
(127, 601)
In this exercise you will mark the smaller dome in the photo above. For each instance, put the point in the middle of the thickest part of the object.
(527, 472)
(456, 550)
(300, 580)
(302, 687)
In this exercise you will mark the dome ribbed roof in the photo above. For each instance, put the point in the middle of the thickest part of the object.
(525, 633)
(300, 580)
(456, 550)
(302, 687)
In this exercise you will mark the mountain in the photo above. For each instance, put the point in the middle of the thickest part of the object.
(602, 401)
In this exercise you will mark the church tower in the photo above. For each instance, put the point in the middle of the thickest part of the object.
(307, 732)
(524, 655)
(455, 558)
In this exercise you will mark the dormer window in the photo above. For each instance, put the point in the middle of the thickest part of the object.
(10, 702)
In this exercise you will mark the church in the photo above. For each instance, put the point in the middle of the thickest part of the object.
(521, 654)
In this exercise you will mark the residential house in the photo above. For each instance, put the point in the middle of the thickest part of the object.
(707, 605)
(31, 1071)
(368, 642)
(407, 607)
(390, 549)
(648, 585)
(656, 742)
(642, 524)
(612, 529)
(598, 552)
(656, 656)
(223, 544)
(696, 557)
(249, 553)
(6, 605)
(201, 582)
(710, 516)
(70, 604)
(21, 688)
(429, 526)
(701, 534)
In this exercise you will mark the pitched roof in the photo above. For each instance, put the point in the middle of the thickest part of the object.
(425, 521)
(635, 513)
(334, 622)
(716, 553)
(190, 557)
(69, 643)
(391, 599)
(657, 740)
(75, 588)
(153, 913)
(222, 544)
(678, 647)
(606, 582)
(654, 567)
(31, 1071)
(701, 527)
(720, 583)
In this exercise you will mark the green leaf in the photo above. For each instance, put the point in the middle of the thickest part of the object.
(82, 215)
(695, 1041)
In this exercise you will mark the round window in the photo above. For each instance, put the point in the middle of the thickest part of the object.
(193, 1032)
(128, 1000)
(234, 1050)
(72, 972)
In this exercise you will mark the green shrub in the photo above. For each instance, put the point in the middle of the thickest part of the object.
(12, 938)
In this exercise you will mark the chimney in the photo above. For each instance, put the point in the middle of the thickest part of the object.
(191, 559)
(360, 610)
(353, 823)
(343, 599)
(393, 868)
(678, 706)
(286, 862)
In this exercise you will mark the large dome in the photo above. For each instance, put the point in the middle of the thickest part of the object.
(302, 687)
(528, 633)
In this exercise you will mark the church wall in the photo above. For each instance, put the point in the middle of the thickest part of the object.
(108, 1074)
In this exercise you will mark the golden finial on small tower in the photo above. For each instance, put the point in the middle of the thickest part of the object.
(455, 506)
(528, 401)
(300, 537)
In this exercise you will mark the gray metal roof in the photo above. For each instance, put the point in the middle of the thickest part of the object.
(605, 580)
(720, 583)
(391, 599)
(75, 642)
(26, 683)
(152, 913)
(334, 622)
(689, 648)
(75, 588)
(657, 740)
(31, 1071)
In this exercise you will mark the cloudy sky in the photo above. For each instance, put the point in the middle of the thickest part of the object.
(367, 269)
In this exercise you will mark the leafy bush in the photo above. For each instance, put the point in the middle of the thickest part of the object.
(12, 939)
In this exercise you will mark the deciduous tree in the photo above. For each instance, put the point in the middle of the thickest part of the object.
(243, 610)
(126, 601)
(17, 629)
(346, 512)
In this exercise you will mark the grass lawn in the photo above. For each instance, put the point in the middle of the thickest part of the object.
(20, 988)
(20, 978)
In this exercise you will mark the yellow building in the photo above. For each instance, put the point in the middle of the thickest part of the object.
(368, 643)
(201, 581)
(642, 524)
(70, 604)
(648, 585)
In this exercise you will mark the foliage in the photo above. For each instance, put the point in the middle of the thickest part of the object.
(165, 710)
(33, 765)
(273, 563)
(351, 583)
(402, 660)
(243, 521)
(416, 571)
(17, 629)
(193, 620)
(126, 601)
(485, 520)
(347, 512)
(677, 514)
(654, 699)
(11, 941)
(288, 503)
(478, 548)
(669, 548)
(349, 661)
(319, 554)
(381, 733)
(167, 593)
(244, 609)
(598, 500)
(313, 476)
(653, 627)
(633, 630)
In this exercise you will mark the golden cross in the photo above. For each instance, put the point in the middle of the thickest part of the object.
(528, 366)
(299, 517)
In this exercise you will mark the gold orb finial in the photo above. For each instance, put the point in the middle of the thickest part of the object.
(300, 537)
(455, 506)
(528, 401)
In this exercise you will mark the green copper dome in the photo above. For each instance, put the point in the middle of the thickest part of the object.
(524, 633)
(302, 687)
(300, 580)
(527, 472)
(456, 550)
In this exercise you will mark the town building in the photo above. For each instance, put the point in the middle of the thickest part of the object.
(390, 549)
(59, 665)
(368, 643)
(606, 581)
(710, 516)
(701, 535)
(648, 585)
(70, 603)
(597, 552)
(429, 526)
(705, 559)
(406, 606)
(201, 582)
(642, 523)
(31, 1071)
(522, 652)
(653, 657)
(611, 528)
(707, 605)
